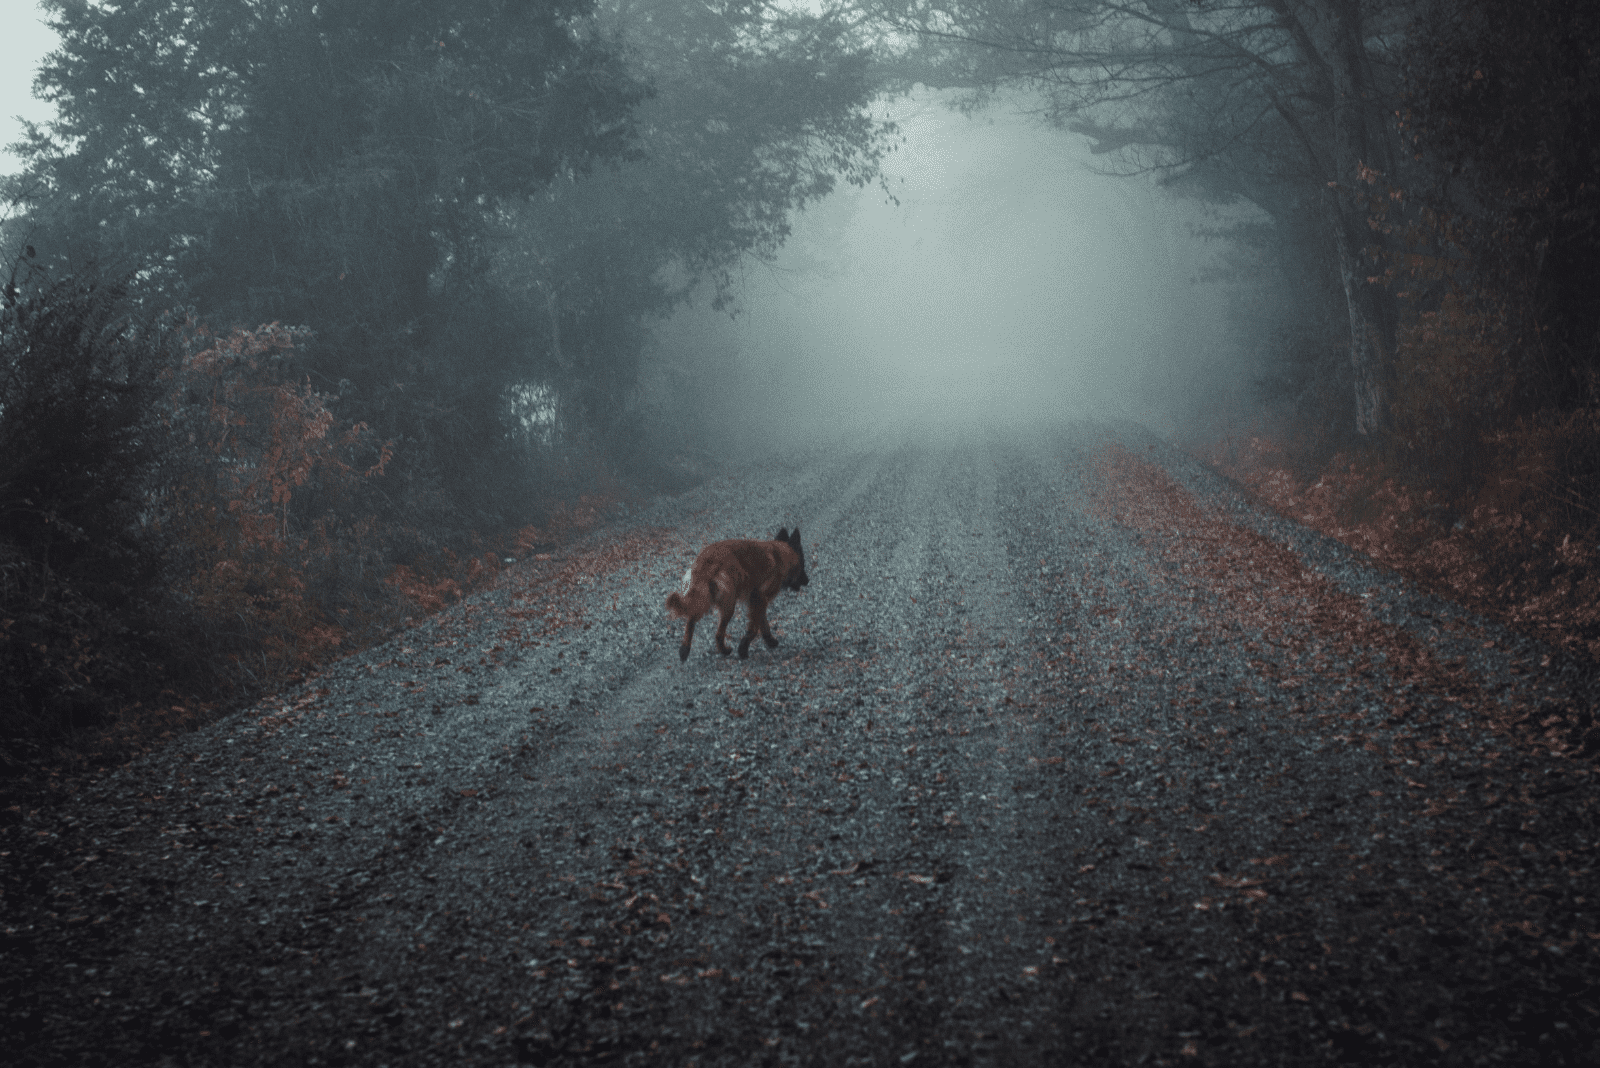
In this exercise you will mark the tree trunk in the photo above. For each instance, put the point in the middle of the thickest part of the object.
(1371, 325)
(1333, 34)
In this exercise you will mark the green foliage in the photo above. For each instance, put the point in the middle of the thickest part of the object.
(334, 164)
(463, 202)
(79, 439)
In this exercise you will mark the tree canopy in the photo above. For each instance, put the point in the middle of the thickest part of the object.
(1284, 103)
(460, 201)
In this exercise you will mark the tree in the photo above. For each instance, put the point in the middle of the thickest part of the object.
(756, 113)
(333, 163)
(1504, 99)
(80, 381)
(462, 201)
(1280, 102)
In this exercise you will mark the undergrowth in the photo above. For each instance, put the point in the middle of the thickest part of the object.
(189, 525)
(1519, 544)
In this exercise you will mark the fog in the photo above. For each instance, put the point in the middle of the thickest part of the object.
(1011, 282)
(24, 44)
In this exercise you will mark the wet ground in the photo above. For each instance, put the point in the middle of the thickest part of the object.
(1067, 756)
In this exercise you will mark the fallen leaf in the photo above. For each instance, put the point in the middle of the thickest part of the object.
(1234, 882)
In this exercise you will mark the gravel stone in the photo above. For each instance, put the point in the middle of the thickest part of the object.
(1068, 755)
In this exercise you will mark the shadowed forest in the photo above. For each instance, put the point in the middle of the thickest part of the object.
(317, 316)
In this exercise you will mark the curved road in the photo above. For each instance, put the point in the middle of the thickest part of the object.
(1066, 756)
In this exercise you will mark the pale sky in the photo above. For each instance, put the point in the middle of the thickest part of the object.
(24, 43)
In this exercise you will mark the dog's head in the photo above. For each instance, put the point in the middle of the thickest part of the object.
(797, 574)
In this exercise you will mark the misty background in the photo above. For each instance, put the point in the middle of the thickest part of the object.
(1007, 281)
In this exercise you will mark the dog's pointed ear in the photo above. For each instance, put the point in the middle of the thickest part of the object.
(794, 537)
(782, 535)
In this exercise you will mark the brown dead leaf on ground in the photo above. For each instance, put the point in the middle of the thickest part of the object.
(545, 600)
(1265, 587)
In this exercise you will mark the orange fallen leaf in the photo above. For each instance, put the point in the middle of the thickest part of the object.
(1234, 882)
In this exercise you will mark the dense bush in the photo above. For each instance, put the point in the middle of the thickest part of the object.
(186, 521)
(82, 619)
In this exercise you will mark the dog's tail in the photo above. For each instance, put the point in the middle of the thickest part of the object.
(694, 601)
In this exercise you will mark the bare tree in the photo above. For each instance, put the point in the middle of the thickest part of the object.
(1278, 101)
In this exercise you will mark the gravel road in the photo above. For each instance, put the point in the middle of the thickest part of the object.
(1067, 755)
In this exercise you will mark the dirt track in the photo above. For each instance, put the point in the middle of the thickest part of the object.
(1066, 756)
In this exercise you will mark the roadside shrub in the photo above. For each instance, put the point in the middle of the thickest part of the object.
(1522, 544)
(186, 522)
(82, 621)
(262, 513)
(1455, 384)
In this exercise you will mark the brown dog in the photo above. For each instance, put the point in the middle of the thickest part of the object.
(727, 572)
